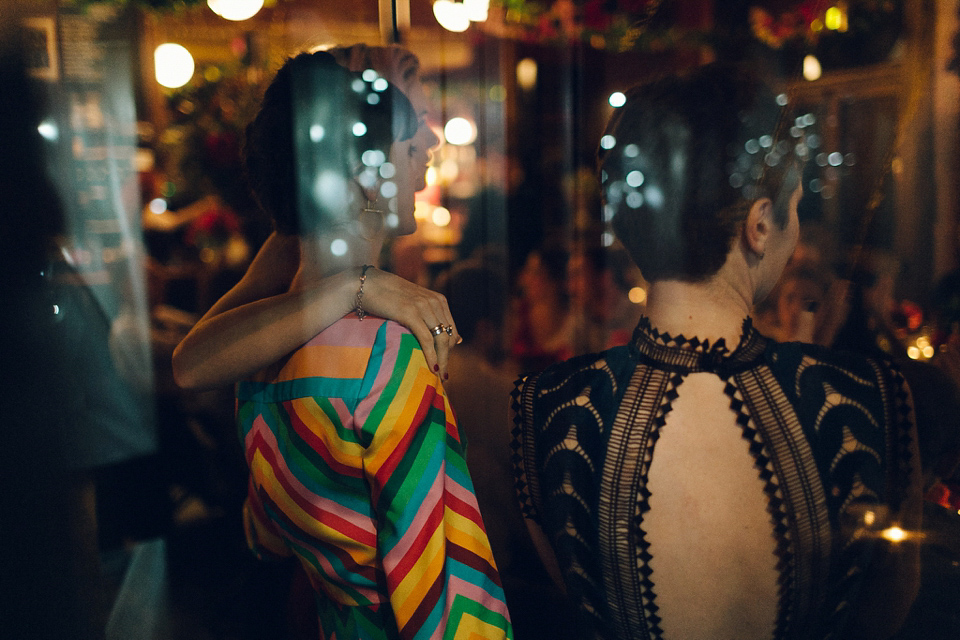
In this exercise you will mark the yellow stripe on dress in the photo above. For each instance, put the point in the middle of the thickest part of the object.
(413, 589)
(402, 410)
(360, 553)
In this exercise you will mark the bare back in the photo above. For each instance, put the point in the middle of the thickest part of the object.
(710, 534)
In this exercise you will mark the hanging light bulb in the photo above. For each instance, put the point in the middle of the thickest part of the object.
(452, 16)
(236, 10)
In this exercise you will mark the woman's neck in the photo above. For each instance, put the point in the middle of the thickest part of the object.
(708, 310)
(320, 257)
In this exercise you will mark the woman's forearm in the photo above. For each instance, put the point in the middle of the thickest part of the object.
(238, 337)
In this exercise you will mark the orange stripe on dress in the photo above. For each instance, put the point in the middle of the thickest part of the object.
(338, 362)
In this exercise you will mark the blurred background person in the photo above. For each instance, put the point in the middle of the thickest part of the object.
(601, 314)
(541, 309)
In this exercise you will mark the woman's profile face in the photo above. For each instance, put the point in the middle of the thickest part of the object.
(410, 158)
(424, 140)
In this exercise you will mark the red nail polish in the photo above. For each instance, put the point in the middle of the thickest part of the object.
(436, 367)
(446, 376)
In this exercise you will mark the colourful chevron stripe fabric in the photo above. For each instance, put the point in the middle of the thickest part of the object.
(357, 467)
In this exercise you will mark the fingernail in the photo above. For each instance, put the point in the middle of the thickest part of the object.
(446, 376)
(436, 367)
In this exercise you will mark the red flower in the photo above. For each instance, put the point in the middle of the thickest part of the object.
(595, 15)
(212, 226)
(222, 149)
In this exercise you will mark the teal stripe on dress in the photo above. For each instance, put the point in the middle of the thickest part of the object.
(346, 388)
(345, 434)
(373, 365)
(414, 486)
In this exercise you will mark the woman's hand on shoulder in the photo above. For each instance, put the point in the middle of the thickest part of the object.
(418, 309)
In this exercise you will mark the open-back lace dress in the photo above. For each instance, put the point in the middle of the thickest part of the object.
(693, 491)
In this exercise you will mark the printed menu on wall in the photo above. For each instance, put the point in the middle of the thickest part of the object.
(93, 135)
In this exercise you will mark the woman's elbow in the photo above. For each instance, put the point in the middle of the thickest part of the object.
(184, 373)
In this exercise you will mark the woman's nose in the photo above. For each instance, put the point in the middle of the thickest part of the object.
(431, 140)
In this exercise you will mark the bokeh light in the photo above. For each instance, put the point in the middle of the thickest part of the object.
(440, 216)
(236, 10)
(527, 73)
(48, 130)
(452, 16)
(173, 65)
(637, 295)
(459, 131)
(811, 68)
(157, 205)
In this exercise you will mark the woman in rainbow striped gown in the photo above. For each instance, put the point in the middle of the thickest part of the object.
(356, 461)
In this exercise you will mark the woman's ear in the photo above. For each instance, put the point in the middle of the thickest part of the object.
(758, 226)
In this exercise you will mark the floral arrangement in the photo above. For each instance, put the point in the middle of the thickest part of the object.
(810, 20)
(798, 24)
(202, 143)
(616, 25)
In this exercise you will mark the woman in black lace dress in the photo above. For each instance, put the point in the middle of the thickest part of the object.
(704, 481)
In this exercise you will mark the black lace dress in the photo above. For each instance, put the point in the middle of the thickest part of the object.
(829, 435)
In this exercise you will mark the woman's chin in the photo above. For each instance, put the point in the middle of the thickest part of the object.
(406, 228)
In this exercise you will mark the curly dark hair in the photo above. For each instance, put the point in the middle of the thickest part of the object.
(316, 129)
(682, 161)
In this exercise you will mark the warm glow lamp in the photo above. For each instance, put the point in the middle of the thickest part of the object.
(811, 68)
(452, 16)
(173, 65)
(235, 10)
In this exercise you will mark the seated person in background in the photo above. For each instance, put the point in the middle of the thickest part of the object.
(704, 481)
(356, 461)
(789, 314)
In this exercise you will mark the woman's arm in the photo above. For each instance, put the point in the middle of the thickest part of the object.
(259, 321)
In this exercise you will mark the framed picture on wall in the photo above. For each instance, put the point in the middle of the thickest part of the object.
(41, 47)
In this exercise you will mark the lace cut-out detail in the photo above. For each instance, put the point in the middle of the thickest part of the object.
(692, 355)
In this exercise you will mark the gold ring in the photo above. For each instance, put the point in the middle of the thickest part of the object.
(437, 330)
(449, 330)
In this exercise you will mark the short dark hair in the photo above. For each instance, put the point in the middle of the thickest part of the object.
(305, 131)
(682, 161)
